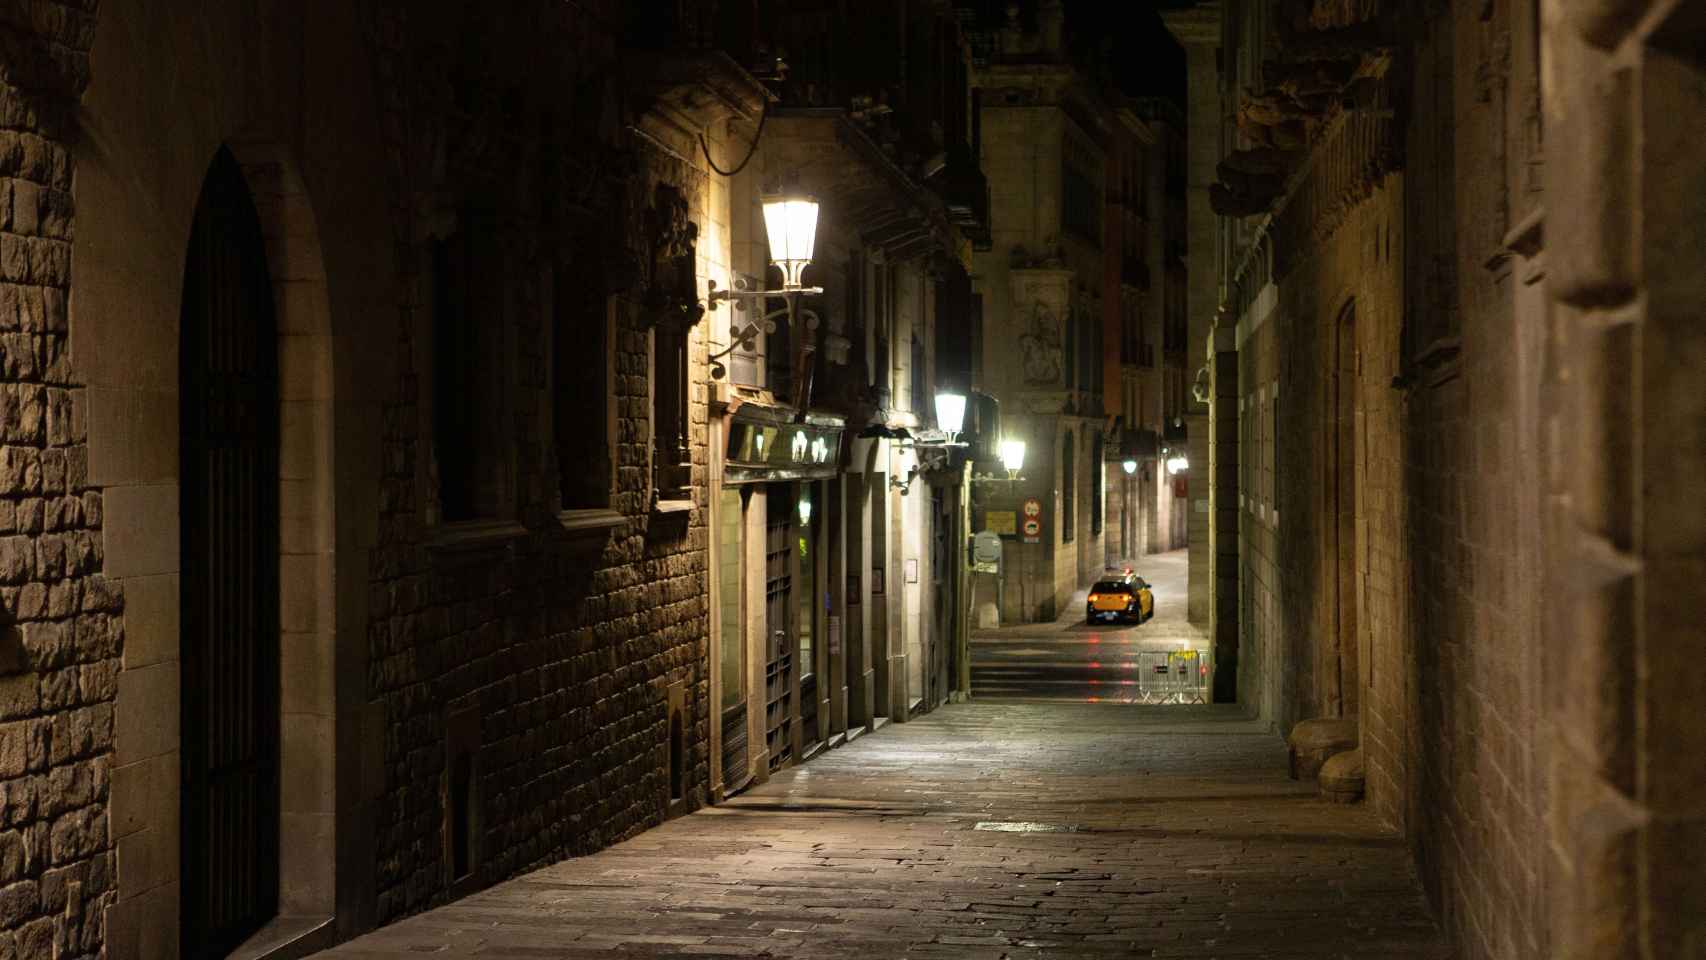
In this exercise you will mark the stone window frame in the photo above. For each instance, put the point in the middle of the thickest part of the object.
(1068, 486)
(499, 524)
(588, 510)
(1098, 468)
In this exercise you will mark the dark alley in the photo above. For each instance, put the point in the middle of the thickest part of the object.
(983, 831)
(880, 479)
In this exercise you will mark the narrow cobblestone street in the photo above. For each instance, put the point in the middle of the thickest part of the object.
(1011, 830)
(1074, 661)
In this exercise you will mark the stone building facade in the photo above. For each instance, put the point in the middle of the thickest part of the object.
(836, 523)
(1441, 289)
(369, 341)
(1044, 284)
(1145, 328)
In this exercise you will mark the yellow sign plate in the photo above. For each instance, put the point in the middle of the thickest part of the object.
(1004, 522)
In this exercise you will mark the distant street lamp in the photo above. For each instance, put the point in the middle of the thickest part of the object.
(1177, 465)
(951, 413)
(1130, 467)
(1013, 457)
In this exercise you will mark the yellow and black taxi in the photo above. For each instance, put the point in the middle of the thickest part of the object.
(1122, 597)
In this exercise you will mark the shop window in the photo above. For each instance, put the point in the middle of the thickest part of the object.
(808, 577)
(730, 597)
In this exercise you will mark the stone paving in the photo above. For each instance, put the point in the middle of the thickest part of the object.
(980, 831)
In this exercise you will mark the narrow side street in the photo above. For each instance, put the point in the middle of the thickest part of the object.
(981, 830)
(1106, 662)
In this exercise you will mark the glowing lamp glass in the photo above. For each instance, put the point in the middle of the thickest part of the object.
(790, 222)
(951, 412)
(1013, 455)
(1130, 467)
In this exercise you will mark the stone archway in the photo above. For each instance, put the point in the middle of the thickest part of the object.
(126, 339)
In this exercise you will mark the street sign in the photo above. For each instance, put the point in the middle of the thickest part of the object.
(1033, 507)
(1033, 530)
(1003, 522)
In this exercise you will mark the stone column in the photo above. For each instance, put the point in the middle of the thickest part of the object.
(1198, 31)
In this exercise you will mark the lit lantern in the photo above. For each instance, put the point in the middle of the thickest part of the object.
(951, 413)
(791, 224)
(1013, 456)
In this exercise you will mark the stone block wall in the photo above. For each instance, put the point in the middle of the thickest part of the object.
(1356, 270)
(1261, 671)
(562, 648)
(61, 628)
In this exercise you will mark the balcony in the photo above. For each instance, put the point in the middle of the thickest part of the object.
(965, 192)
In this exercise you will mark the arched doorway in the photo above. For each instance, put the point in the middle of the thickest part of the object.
(229, 585)
(1341, 697)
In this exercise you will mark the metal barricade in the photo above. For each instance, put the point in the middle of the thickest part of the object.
(1174, 676)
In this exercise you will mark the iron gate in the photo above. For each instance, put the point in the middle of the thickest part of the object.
(778, 596)
(229, 584)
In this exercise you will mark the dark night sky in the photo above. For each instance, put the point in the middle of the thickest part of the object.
(1122, 39)
(1140, 56)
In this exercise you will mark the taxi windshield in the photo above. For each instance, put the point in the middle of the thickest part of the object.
(1111, 586)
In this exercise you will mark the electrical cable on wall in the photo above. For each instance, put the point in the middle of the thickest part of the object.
(763, 115)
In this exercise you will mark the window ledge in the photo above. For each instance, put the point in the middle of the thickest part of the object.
(672, 506)
(589, 522)
(475, 535)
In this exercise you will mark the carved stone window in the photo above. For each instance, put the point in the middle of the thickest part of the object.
(672, 308)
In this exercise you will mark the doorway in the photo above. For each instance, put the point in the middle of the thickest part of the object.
(778, 619)
(228, 490)
(731, 520)
(1342, 518)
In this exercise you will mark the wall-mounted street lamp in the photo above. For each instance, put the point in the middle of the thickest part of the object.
(790, 223)
(934, 446)
(1013, 458)
(951, 414)
(1130, 467)
(1177, 465)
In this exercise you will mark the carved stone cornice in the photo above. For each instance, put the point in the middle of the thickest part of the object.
(691, 89)
(830, 156)
(1197, 25)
